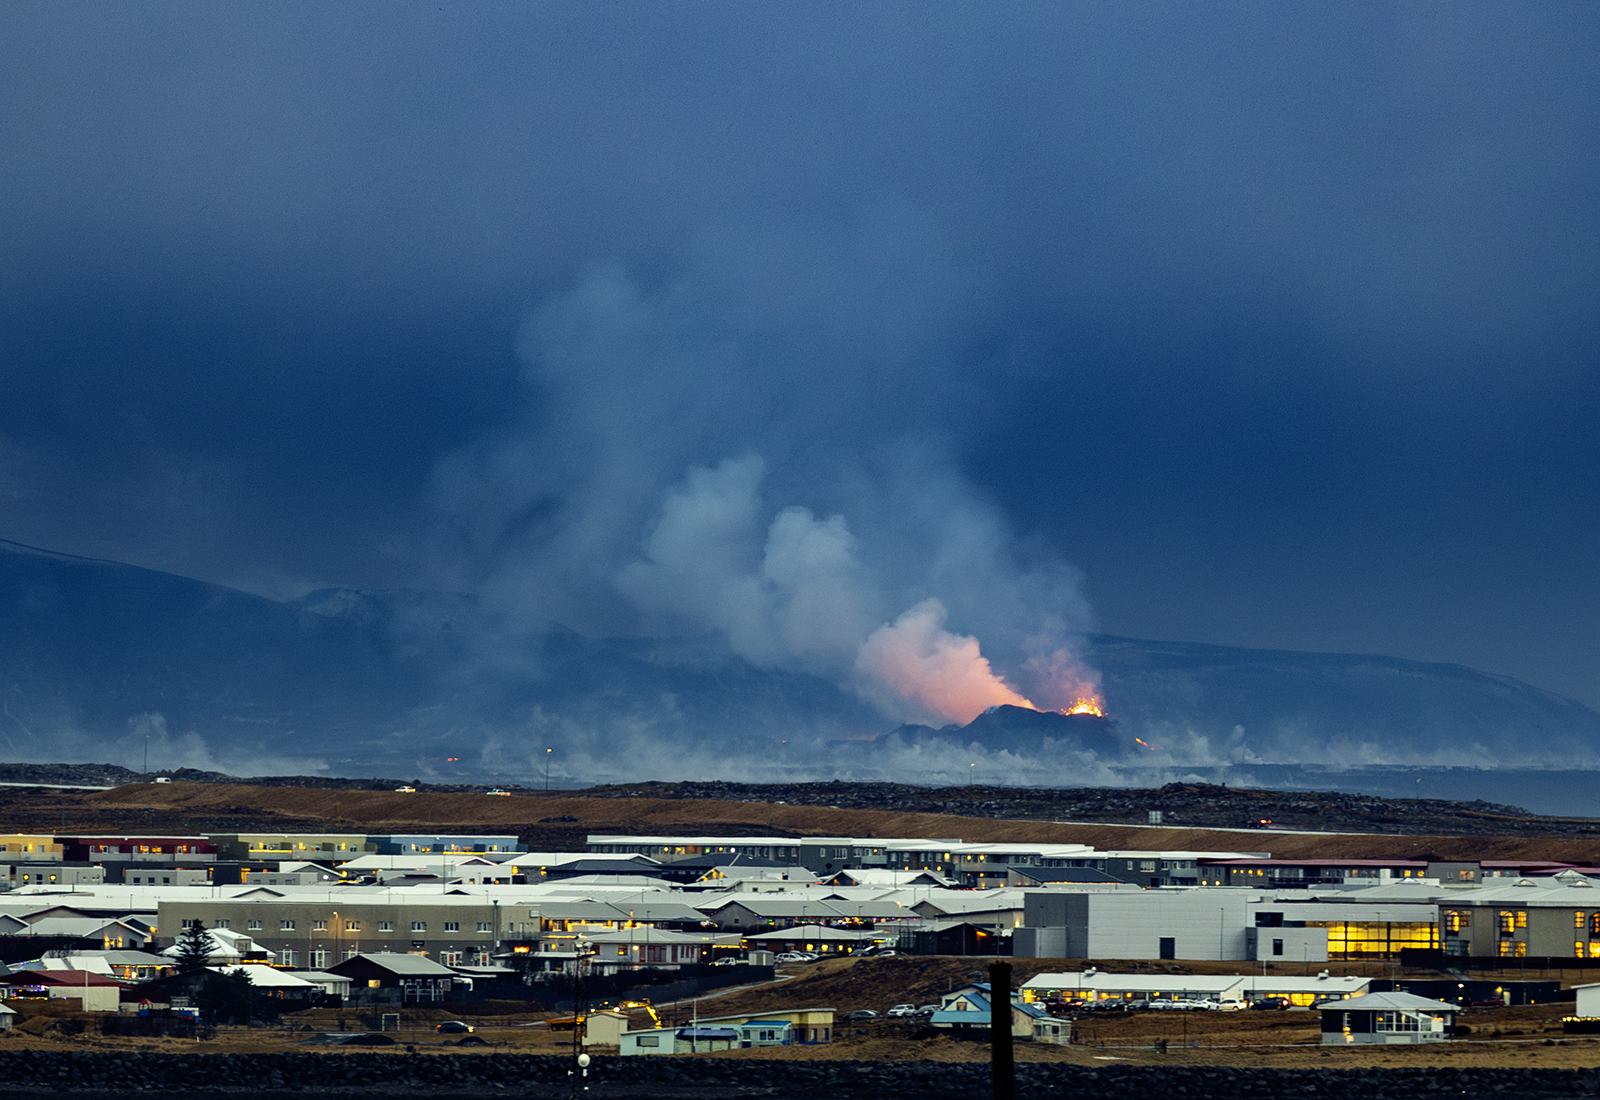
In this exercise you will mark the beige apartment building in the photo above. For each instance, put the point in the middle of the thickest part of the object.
(29, 848)
(319, 929)
(1556, 916)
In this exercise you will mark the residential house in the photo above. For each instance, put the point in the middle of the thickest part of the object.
(968, 1012)
(113, 934)
(950, 937)
(649, 946)
(1387, 1018)
(224, 946)
(803, 1026)
(814, 937)
(96, 992)
(406, 977)
(332, 985)
(278, 985)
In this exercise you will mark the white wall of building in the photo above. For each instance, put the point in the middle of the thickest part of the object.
(1203, 924)
(1287, 945)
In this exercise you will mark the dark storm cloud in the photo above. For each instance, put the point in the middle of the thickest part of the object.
(1278, 323)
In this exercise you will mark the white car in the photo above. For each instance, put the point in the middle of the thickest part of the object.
(903, 1010)
(797, 957)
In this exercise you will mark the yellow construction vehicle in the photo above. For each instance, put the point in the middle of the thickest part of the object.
(650, 1009)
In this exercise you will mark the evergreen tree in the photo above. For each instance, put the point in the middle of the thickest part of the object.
(194, 949)
(225, 998)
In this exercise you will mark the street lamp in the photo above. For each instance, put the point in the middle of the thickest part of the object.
(547, 753)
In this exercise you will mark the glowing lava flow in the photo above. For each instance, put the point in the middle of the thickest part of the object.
(1084, 706)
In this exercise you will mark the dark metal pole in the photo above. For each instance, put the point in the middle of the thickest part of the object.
(1003, 1073)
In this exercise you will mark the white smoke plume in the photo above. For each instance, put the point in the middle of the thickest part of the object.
(805, 601)
(738, 452)
(926, 666)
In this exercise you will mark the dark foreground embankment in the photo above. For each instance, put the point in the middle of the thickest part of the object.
(85, 1074)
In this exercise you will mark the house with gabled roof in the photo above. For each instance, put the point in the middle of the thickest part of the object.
(1387, 1018)
(967, 1011)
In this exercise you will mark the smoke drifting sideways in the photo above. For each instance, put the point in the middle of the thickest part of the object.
(756, 451)
(801, 599)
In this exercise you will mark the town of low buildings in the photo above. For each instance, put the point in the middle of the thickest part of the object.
(395, 919)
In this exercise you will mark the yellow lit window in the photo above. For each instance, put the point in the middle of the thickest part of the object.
(1578, 919)
(1594, 950)
(1522, 918)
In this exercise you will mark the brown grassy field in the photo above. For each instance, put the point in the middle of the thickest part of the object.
(204, 807)
(1512, 1037)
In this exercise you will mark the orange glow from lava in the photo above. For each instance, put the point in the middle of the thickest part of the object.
(1085, 705)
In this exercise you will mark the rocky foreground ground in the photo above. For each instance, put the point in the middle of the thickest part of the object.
(83, 1073)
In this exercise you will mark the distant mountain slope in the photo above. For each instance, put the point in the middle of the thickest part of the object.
(98, 658)
(1206, 703)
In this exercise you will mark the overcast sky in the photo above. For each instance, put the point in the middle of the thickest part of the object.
(1268, 325)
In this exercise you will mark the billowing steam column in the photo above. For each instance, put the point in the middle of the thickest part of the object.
(1002, 1070)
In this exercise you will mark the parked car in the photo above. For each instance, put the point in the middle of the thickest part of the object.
(499, 792)
(405, 790)
(1232, 1006)
(797, 957)
(1489, 1002)
(863, 1014)
(1270, 1004)
(730, 960)
(455, 1027)
(927, 1010)
(903, 1010)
